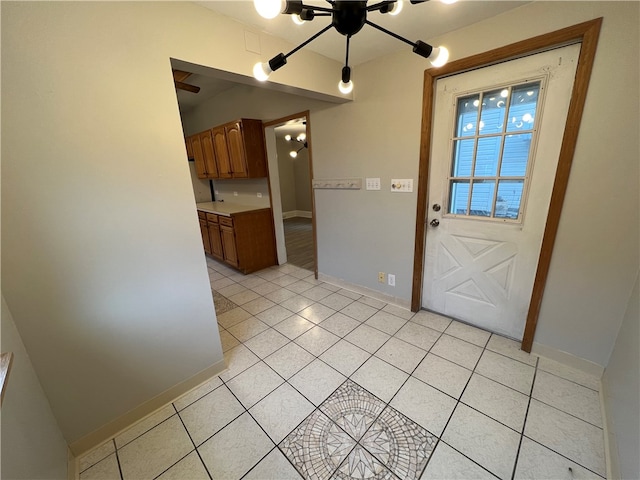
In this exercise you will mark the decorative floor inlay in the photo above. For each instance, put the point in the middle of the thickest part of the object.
(222, 303)
(354, 434)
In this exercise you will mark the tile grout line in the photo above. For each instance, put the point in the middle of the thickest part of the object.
(524, 424)
(117, 458)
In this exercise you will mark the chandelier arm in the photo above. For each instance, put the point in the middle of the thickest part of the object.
(318, 8)
(346, 60)
(378, 6)
(388, 32)
(308, 41)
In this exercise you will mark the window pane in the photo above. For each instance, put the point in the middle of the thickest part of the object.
(482, 198)
(522, 109)
(462, 158)
(509, 198)
(459, 197)
(493, 110)
(515, 155)
(487, 156)
(467, 115)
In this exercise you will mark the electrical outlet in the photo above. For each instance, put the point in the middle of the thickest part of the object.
(392, 279)
(402, 185)
(381, 277)
(259, 195)
(235, 194)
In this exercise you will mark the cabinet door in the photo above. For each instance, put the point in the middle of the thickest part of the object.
(198, 156)
(204, 230)
(229, 245)
(235, 143)
(222, 152)
(187, 142)
(216, 241)
(209, 154)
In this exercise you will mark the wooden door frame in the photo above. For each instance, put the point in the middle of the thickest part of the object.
(275, 123)
(586, 34)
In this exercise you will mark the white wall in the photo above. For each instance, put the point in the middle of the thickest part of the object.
(287, 175)
(621, 388)
(32, 444)
(103, 267)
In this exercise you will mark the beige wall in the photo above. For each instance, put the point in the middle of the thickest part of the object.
(621, 385)
(32, 444)
(102, 260)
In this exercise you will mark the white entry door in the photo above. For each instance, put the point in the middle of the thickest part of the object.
(497, 133)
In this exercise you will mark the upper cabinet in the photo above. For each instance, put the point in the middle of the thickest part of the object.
(233, 150)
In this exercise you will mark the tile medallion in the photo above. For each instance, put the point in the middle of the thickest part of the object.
(354, 434)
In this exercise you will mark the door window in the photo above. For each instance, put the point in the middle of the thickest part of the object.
(491, 150)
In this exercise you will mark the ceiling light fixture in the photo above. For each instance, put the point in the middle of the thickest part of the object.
(301, 138)
(347, 17)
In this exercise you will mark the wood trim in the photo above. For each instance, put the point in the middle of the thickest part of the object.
(279, 121)
(586, 33)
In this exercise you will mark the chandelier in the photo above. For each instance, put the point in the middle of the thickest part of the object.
(347, 17)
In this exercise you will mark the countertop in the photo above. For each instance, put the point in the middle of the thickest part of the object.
(225, 208)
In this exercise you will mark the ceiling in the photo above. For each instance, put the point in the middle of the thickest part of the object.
(416, 22)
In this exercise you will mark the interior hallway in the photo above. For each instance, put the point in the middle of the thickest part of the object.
(298, 238)
(326, 383)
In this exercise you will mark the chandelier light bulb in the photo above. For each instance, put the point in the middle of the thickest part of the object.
(287, 137)
(293, 154)
(448, 2)
(268, 8)
(345, 88)
(397, 8)
(302, 137)
(297, 19)
(439, 56)
(261, 71)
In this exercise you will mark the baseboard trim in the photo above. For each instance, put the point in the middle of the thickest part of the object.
(610, 444)
(568, 359)
(297, 213)
(369, 292)
(113, 428)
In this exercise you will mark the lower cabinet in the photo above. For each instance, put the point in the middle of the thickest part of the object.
(245, 240)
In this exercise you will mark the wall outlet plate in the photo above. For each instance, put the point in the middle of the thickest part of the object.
(381, 277)
(392, 279)
(404, 185)
(259, 195)
(373, 183)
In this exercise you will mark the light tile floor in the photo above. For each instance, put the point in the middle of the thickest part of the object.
(326, 383)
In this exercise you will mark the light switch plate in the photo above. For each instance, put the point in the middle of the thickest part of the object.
(404, 185)
(337, 183)
(373, 183)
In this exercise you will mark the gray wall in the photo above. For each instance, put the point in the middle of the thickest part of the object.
(295, 189)
(32, 444)
(621, 383)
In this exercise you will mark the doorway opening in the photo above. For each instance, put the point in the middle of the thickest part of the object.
(288, 143)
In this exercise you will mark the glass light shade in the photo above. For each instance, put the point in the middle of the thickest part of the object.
(439, 56)
(297, 19)
(345, 88)
(287, 137)
(448, 2)
(268, 8)
(261, 71)
(301, 137)
(397, 8)
(293, 154)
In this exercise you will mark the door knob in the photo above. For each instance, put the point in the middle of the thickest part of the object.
(435, 222)
(436, 207)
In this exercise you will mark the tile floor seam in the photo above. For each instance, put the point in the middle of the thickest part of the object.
(567, 413)
(117, 458)
(524, 424)
(195, 447)
(563, 456)
(569, 380)
(467, 457)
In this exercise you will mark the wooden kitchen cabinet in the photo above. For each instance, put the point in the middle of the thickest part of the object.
(204, 230)
(244, 240)
(214, 236)
(222, 151)
(187, 142)
(247, 152)
(204, 155)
